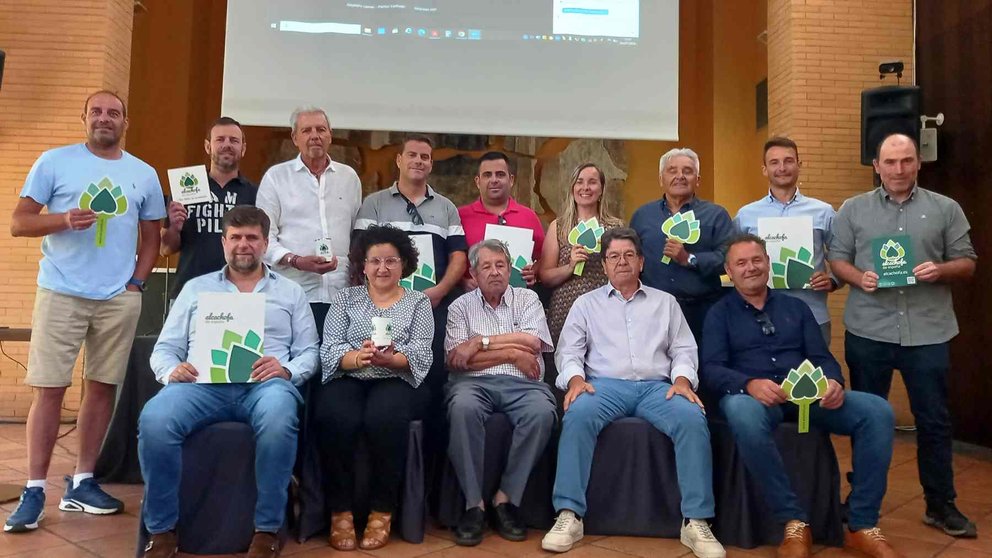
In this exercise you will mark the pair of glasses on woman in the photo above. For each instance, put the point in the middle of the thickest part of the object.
(392, 262)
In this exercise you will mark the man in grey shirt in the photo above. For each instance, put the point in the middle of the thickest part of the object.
(907, 327)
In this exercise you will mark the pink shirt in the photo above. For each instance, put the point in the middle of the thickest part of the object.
(475, 218)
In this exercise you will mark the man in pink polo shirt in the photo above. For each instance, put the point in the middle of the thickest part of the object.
(494, 180)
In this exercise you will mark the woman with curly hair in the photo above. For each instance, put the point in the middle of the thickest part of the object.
(371, 390)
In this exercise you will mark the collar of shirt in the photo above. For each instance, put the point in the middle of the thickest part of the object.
(240, 179)
(503, 300)
(685, 207)
(395, 190)
(611, 290)
(772, 295)
(796, 198)
(222, 278)
(300, 166)
(478, 207)
(884, 194)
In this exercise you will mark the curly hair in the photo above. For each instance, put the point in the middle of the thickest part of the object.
(381, 234)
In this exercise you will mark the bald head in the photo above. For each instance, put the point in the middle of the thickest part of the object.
(898, 164)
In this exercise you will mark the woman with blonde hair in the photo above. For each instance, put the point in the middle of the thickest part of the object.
(584, 199)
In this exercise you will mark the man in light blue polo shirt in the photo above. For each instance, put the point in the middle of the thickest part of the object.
(98, 198)
(781, 166)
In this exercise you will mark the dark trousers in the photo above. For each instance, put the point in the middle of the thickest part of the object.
(319, 310)
(924, 371)
(695, 311)
(346, 408)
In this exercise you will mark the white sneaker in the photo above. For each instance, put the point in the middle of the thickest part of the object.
(696, 535)
(566, 532)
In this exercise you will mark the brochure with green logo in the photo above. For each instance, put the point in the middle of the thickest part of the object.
(683, 227)
(804, 386)
(789, 241)
(227, 336)
(425, 276)
(520, 242)
(894, 263)
(588, 234)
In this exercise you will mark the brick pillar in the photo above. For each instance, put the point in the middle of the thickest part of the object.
(821, 55)
(58, 51)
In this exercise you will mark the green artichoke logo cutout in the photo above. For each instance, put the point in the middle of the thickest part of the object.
(892, 254)
(516, 272)
(106, 200)
(422, 278)
(188, 182)
(683, 227)
(233, 361)
(804, 386)
(588, 234)
(794, 270)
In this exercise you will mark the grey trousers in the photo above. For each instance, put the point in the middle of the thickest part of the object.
(470, 400)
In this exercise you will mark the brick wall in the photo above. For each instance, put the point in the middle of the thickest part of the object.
(58, 51)
(821, 55)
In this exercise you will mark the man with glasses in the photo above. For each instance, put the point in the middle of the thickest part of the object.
(496, 334)
(751, 339)
(312, 201)
(626, 350)
(496, 206)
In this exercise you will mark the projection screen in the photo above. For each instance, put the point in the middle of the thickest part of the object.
(564, 68)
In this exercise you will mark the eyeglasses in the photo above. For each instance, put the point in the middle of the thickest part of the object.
(500, 220)
(391, 262)
(614, 257)
(767, 327)
(411, 210)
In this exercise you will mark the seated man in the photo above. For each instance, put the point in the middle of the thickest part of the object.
(495, 337)
(626, 350)
(751, 339)
(268, 402)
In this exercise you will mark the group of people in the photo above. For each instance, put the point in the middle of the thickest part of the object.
(646, 330)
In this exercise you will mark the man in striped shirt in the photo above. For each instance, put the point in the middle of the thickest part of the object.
(495, 337)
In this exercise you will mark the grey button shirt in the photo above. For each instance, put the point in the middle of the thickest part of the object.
(910, 316)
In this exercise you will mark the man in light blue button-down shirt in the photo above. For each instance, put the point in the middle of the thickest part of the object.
(626, 350)
(268, 402)
(781, 166)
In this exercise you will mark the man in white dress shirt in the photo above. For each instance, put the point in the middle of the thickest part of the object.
(626, 350)
(311, 201)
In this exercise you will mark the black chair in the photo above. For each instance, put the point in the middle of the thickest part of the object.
(217, 492)
(535, 506)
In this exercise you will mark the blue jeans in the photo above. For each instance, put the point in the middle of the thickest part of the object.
(924, 371)
(677, 418)
(179, 410)
(866, 418)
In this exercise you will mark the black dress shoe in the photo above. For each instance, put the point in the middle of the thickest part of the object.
(507, 523)
(470, 527)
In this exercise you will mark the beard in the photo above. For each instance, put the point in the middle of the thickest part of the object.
(224, 164)
(104, 137)
(244, 263)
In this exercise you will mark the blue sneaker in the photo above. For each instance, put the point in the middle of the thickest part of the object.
(90, 498)
(29, 511)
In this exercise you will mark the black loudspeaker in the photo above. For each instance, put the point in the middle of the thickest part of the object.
(3, 56)
(887, 110)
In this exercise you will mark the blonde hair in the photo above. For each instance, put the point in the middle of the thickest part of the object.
(570, 213)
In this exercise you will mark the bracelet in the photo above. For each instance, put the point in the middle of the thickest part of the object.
(357, 365)
(292, 261)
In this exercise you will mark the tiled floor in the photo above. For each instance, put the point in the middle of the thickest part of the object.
(71, 535)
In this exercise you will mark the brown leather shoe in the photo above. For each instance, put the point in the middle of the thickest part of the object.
(376, 531)
(264, 545)
(870, 542)
(343, 531)
(162, 545)
(797, 541)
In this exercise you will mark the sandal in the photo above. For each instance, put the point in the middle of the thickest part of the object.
(376, 531)
(342, 531)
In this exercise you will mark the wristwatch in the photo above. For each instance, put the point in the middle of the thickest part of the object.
(142, 286)
(692, 261)
(485, 343)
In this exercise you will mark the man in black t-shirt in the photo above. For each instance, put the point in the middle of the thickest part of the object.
(195, 231)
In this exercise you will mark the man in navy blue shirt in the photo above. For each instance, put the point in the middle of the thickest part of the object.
(752, 338)
(694, 260)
